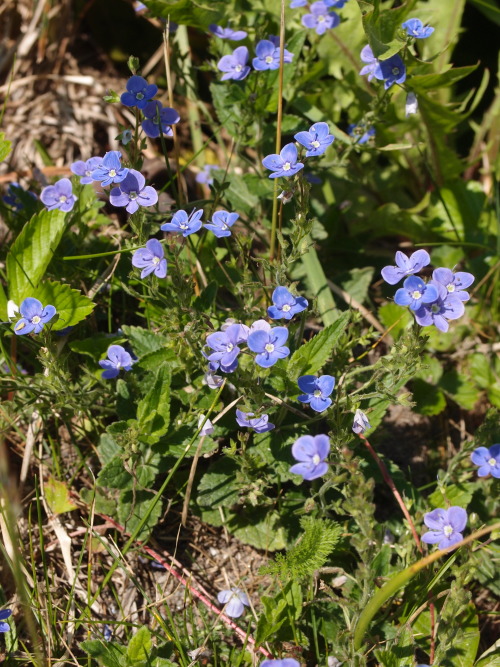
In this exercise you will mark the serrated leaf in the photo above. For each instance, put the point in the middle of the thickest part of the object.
(5, 147)
(107, 654)
(311, 356)
(396, 318)
(31, 253)
(140, 646)
(153, 411)
(455, 494)
(70, 304)
(133, 505)
(144, 341)
(57, 497)
(186, 12)
(428, 398)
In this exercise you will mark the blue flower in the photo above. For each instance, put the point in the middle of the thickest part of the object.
(454, 282)
(4, 615)
(227, 33)
(139, 92)
(415, 292)
(110, 169)
(118, 358)
(133, 192)
(317, 391)
(338, 4)
(360, 423)
(12, 197)
(205, 177)
(235, 65)
(221, 223)
(268, 55)
(361, 132)
(446, 307)
(60, 195)
(151, 258)
(311, 452)
(225, 345)
(320, 18)
(86, 169)
(415, 28)
(488, 460)
(285, 164)
(405, 266)
(285, 662)
(316, 140)
(235, 600)
(298, 3)
(157, 116)
(268, 342)
(446, 526)
(260, 424)
(34, 316)
(286, 305)
(411, 105)
(389, 71)
(183, 223)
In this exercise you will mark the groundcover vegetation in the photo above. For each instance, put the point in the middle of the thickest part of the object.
(249, 287)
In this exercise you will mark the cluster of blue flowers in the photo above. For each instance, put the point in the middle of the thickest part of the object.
(321, 16)
(433, 303)
(267, 57)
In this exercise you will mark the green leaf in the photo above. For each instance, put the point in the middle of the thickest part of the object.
(133, 506)
(107, 654)
(139, 648)
(396, 318)
(317, 283)
(3, 303)
(5, 147)
(422, 82)
(144, 341)
(311, 356)
(31, 253)
(455, 494)
(186, 12)
(428, 398)
(57, 497)
(71, 305)
(460, 388)
(463, 651)
(267, 533)
(153, 411)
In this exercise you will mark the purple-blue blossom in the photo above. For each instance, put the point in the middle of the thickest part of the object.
(157, 116)
(235, 65)
(298, 3)
(320, 18)
(86, 169)
(235, 600)
(415, 293)
(360, 423)
(221, 223)
(110, 169)
(268, 55)
(118, 358)
(139, 92)
(227, 33)
(205, 425)
(285, 662)
(259, 424)
(455, 283)
(225, 346)
(60, 195)
(389, 71)
(285, 164)
(361, 133)
(183, 223)
(316, 390)
(34, 316)
(310, 452)
(205, 177)
(268, 343)
(488, 460)
(151, 259)
(446, 307)
(446, 526)
(4, 615)
(316, 139)
(405, 266)
(133, 192)
(285, 304)
(14, 195)
(415, 28)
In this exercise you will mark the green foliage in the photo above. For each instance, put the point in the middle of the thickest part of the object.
(311, 552)
(5, 147)
(71, 305)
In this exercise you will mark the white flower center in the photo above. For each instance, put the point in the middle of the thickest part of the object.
(435, 308)
(416, 295)
(269, 347)
(183, 225)
(286, 307)
(317, 393)
(62, 199)
(156, 260)
(321, 18)
(395, 71)
(88, 172)
(224, 226)
(139, 96)
(133, 194)
(315, 144)
(287, 166)
(450, 287)
(492, 462)
(229, 347)
(316, 459)
(35, 319)
(112, 172)
(448, 530)
(269, 59)
(238, 68)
